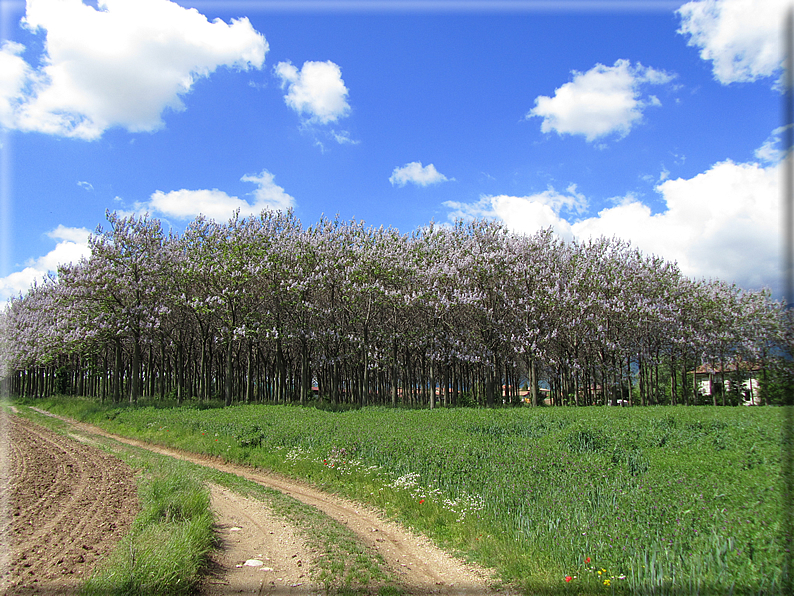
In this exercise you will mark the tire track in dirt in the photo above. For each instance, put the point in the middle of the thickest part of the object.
(421, 567)
(68, 505)
(258, 553)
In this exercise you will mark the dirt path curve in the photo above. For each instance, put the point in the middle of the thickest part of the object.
(421, 567)
(66, 506)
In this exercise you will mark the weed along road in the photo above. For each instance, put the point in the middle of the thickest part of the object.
(66, 505)
(417, 566)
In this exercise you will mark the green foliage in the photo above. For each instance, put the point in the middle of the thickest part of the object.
(778, 386)
(466, 400)
(662, 500)
(251, 437)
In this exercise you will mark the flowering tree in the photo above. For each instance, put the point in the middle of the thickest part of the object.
(259, 308)
(119, 290)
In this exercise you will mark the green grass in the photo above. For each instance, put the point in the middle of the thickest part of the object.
(167, 547)
(169, 540)
(661, 500)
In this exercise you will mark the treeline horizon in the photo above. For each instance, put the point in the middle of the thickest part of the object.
(259, 309)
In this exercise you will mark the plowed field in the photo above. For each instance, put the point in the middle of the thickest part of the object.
(64, 506)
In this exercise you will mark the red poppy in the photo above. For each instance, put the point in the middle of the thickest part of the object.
(568, 578)
(422, 501)
(587, 560)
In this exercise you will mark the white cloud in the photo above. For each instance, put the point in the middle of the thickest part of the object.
(120, 65)
(268, 194)
(740, 37)
(186, 204)
(216, 204)
(14, 73)
(75, 235)
(771, 151)
(316, 91)
(721, 223)
(85, 185)
(525, 215)
(416, 174)
(343, 137)
(599, 102)
(72, 247)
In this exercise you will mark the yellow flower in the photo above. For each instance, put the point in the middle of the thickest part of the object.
(607, 582)
(599, 573)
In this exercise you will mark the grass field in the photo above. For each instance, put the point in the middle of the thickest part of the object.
(560, 500)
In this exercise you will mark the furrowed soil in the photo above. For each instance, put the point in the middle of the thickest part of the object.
(64, 507)
(258, 552)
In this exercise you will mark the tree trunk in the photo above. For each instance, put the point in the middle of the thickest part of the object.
(490, 381)
(135, 389)
(163, 363)
(117, 375)
(202, 382)
(249, 385)
(640, 381)
(228, 379)
(150, 375)
(455, 383)
(305, 388)
(446, 385)
(335, 383)
(533, 381)
(695, 384)
(764, 381)
(364, 396)
(394, 372)
(281, 394)
(432, 386)
(722, 377)
(179, 364)
(684, 378)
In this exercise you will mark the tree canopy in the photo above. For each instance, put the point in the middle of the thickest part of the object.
(261, 309)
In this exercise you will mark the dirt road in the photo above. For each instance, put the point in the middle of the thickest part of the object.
(64, 506)
(258, 553)
(249, 532)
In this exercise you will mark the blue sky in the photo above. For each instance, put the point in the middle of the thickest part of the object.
(657, 122)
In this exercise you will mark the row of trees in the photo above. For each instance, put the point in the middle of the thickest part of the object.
(261, 309)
